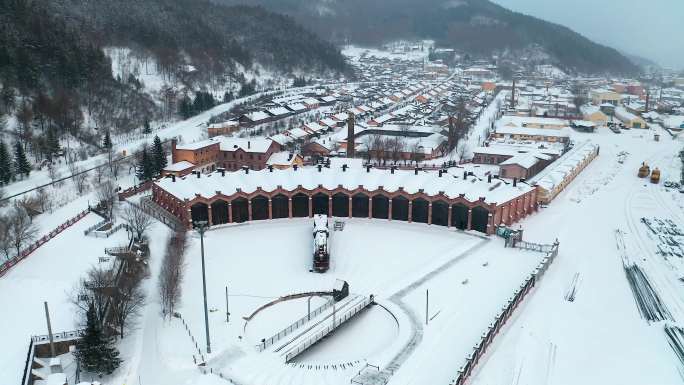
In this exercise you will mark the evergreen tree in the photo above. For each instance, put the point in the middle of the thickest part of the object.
(5, 164)
(95, 352)
(145, 168)
(146, 127)
(185, 107)
(158, 155)
(51, 143)
(107, 141)
(21, 164)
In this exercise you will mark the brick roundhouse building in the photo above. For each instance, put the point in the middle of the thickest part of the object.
(436, 198)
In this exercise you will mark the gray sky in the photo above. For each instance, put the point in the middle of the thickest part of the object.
(648, 28)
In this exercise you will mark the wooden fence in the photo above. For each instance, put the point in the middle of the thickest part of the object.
(40, 242)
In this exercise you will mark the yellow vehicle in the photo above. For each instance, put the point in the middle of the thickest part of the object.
(655, 176)
(644, 170)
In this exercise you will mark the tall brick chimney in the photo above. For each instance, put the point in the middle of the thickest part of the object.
(174, 142)
(350, 136)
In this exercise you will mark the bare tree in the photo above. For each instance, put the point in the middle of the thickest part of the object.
(417, 154)
(78, 177)
(22, 230)
(105, 192)
(43, 200)
(54, 174)
(171, 273)
(395, 148)
(462, 150)
(136, 220)
(6, 241)
(128, 301)
(96, 289)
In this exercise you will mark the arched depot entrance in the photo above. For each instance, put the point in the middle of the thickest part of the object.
(219, 212)
(420, 210)
(259, 208)
(199, 212)
(459, 216)
(320, 203)
(440, 213)
(360, 206)
(480, 219)
(400, 208)
(340, 205)
(279, 206)
(300, 205)
(380, 207)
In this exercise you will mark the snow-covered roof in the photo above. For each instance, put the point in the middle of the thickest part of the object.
(584, 123)
(296, 107)
(297, 133)
(281, 139)
(522, 121)
(675, 121)
(554, 173)
(331, 178)
(197, 145)
(281, 158)
(229, 143)
(526, 160)
(531, 131)
(277, 111)
(383, 118)
(257, 116)
(329, 122)
(313, 127)
(179, 166)
(624, 115)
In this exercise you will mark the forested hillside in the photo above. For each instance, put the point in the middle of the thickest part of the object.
(200, 33)
(473, 26)
(56, 80)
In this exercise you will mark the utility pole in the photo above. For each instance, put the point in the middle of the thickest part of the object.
(227, 311)
(427, 302)
(201, 228)
(49, 326)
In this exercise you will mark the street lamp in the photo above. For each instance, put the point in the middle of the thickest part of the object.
(201, 228)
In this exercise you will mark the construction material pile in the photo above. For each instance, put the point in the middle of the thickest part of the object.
(651, 307)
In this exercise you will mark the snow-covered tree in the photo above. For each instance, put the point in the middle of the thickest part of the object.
(94, 351)
(158, 155)
(5, 164)
(21, 164)
(145, 167)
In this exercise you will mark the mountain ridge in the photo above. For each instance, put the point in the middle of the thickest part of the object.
(473, 26)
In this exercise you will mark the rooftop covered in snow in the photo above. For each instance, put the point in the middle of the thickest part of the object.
(450, 184)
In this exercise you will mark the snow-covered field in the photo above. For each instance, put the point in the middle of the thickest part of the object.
(395, 261)
(599, 338)
(48, 274)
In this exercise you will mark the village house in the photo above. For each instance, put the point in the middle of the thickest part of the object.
(534, 134)
(629, 119)
(221, 152)
(283, 160)
(222, 128)
(594, 114)
(602, 96)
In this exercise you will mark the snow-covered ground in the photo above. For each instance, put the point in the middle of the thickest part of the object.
(48, 274)
(599, 338)
(395, 261)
